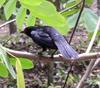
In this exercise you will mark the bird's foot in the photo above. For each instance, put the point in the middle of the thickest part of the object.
(53, 53)
(42, 53)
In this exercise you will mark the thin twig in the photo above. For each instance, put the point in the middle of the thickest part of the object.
(67, 75)
(8, 22)
(89, 68)
(80, 13)
(96, 63)
(83, 4)
(98, 60)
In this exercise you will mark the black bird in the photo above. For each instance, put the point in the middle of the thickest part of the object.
(48, 37)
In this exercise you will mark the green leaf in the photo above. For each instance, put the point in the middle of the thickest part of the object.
(26, 63)
(30, 20)
(2, 2)
(3, 70)
(72, 20)
(55, 19)
(90, 19)
(59, 23)
(9, 8)
(70, 12)
(20, 17)
(31, 3)
(77, 1)
(20, 76)
(98, 32)
(89, 2)
(4, 59)
(70, 3)
(44, 9)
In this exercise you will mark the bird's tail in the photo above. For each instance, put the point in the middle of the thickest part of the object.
(65, 49)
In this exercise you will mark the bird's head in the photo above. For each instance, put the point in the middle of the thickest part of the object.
(28, 30)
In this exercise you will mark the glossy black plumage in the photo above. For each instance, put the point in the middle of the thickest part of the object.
(48, 37)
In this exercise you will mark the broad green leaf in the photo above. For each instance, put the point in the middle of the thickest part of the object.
(31, 3)
(20, 17)
(2, 2)
(44, 9)
(30, 20)
(20, 76)
(72, 20)
(9, 8)
(59, 23)
(4, 59)
(47, 12)
(25, 63)
(3, 70)
(90, 19)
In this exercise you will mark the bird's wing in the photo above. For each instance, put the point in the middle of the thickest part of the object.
(65, 49)
(44, 36)
(43, 39)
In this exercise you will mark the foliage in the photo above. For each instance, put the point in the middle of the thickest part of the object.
(30, 10)
(27, 11)
(26, 63)
(9, 61)
(42, 9)
(4, 59)
(88, 19)
(3, 70)
(6, 66)
(2, 2)
(20, 76)
(7, 8)
(94, 80)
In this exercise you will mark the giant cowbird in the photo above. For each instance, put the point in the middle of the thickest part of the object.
(49, 38)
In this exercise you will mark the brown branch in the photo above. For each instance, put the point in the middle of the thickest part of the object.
(47, 59)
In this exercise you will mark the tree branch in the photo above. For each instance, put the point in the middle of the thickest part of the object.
(59, 57)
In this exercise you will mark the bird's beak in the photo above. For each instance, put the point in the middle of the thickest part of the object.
(22, 32)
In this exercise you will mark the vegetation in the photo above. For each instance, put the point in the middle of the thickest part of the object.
(75, 18)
